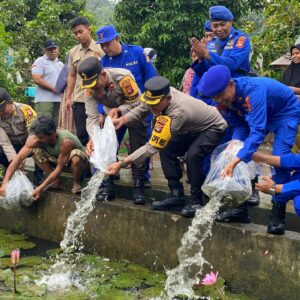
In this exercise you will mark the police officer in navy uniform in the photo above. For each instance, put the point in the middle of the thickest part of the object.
(229, 47)
(117, 90)
(130, 57)
(256, 105)
(183, 125)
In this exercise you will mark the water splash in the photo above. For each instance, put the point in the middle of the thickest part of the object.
(181, 279)
(64, 274)
(76, 221)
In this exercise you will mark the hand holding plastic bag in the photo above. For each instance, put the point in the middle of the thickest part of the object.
(105, 145)
(232, 190)
(18, 192)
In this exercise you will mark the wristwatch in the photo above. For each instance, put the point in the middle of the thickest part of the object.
(123, 164)
(272, 190)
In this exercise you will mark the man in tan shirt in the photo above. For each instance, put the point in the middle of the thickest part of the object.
(87, 47)
(117, 90)
(14, 120)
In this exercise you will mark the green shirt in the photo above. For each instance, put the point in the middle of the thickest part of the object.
(63, 134)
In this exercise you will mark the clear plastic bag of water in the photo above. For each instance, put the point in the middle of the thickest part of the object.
(231, 190)
(105, 145)
(18, 192)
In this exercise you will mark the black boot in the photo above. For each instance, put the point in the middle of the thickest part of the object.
(107, 190)
(235, 214)
(254, 199)
(175, 200)
(277, 219)
(195, 202)
(138, 192)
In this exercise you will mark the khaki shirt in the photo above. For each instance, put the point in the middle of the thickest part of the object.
(77, 55)
(14, 129)
(185, 114)
(122, 92)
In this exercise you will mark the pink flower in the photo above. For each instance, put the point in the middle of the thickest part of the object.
(15, 256)
(210, 279)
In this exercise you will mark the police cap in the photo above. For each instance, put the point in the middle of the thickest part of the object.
(4, 98)
(214, 81)
(89, 70)
(156, 88)
(220, 13)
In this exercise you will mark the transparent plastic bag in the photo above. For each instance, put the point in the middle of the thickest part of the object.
(232, 190)
(18, 192)
(105, 145)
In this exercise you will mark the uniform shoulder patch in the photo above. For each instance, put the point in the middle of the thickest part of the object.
(240, 42)
(28, 113)
(129, 88)
(161, 133)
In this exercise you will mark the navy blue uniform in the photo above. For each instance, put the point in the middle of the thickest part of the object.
(235, 54)
(291, 190)
(264, 105)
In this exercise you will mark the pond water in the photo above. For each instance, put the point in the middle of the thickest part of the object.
(87, 276)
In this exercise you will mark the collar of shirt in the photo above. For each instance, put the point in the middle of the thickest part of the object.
(46, 57)
(92, 46)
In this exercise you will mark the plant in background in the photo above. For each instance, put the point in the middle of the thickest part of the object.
(15, 257)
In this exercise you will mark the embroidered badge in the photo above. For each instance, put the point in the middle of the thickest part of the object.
(240, 42)
(129, 88)
(161, 134)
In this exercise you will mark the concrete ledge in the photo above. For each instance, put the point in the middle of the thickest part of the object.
(253, 262)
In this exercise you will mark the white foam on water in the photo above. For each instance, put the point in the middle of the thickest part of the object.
(181, 279)
(77, 220)
(63, 274)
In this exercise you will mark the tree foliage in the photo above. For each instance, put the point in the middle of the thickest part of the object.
(280, 29)
(167, 26)
(25, 25)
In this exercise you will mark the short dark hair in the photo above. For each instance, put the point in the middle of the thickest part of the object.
(42, 125)
(79, 21)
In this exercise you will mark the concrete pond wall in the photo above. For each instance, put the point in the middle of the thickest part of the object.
(253, 262)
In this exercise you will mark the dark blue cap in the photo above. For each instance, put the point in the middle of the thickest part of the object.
(220, 13)
(106, 34)
(207, 26)
(50, 44)
(214, 81)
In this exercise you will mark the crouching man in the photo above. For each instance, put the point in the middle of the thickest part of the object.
(183, 125)
(52, 150)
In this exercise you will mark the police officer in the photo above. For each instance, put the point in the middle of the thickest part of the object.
(117, 90)
(256, 106)
(183, 125)
(291, 189)
(14, 120)
(229, 46)
(130, 57)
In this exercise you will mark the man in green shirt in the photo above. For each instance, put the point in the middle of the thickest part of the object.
(52, 150)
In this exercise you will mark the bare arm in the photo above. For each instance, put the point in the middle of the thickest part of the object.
(38, 79)
(30, 144)
(296, 90)
(260, 157)
(65, 149)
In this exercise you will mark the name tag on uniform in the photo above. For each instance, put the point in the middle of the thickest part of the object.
(132, 63)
